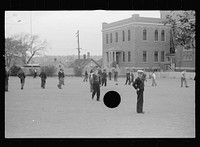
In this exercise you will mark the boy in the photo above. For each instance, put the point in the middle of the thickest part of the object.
(43, 76)
(61, 76)
(22, 77)
(96, 85)
(139, 86)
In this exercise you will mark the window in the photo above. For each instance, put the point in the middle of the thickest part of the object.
(129, 35)
(116, 35)
(110, 37)
(123, 56)
(162, 59)
(156, 35)
(162, 35)
(107, 56)
(156, 56)
(123, 33)
(106, 38)
(129, 56)
(144, 34)
(144, 56)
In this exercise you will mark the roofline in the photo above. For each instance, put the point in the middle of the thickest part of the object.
(135, 23)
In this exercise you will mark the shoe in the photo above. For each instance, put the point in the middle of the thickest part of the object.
(186, 86)
(98, 100)
(141, 112)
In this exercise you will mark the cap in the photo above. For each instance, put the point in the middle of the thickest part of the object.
(140, 71)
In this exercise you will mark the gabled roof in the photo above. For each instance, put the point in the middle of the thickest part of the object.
(82, 63)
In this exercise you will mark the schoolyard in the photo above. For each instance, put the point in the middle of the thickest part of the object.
(71, 113)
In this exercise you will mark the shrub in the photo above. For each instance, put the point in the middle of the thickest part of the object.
(14, 70)
(78, 71)
(50, 70)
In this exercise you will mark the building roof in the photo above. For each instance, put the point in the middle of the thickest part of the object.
(134, 19)
(54, 63)
(82, 63)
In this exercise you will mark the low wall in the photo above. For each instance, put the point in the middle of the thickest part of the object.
(177, 75)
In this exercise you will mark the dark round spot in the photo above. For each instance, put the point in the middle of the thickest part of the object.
(112, 99)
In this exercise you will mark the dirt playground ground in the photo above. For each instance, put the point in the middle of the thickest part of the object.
(71, 113)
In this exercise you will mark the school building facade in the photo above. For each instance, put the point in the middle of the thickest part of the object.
(138, 43)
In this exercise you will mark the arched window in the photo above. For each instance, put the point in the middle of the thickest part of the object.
(156, 35)
(162, 35)
(144, 34)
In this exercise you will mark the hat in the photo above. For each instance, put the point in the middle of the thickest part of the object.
(140, 71)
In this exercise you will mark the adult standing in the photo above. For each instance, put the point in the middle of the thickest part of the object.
(139, 86)
(43, 77)
(61, 76)
(154, 79)
(104, 78)
(183, 78)
(115, 75)
(96, 85)
(22, 77)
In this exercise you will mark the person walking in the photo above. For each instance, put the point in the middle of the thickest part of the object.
(183, 78)
(22, 77)
(139, 86)
(61, 76)
(91, 80)
(115, 75)
(43, 77)
(154, 79)
(86, 76)
(6, 80)
(96, 85)
(104, 78)
(127, 77)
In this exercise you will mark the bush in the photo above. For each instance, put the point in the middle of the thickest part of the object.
(50, 70)
(14, 70)
(78, 71)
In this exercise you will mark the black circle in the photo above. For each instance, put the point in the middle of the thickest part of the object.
(112, 99)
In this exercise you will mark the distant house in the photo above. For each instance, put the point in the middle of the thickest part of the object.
(85, 64)
(57, 64)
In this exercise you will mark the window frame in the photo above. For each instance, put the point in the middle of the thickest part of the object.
(143, 57)
(129, 56)
(156, 35)
(155, 56)
(145, 34)
(162, 35)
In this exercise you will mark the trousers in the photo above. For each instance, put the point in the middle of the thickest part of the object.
(96, 90)
(139, 101)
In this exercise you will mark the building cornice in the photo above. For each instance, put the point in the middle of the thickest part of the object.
(134, 23)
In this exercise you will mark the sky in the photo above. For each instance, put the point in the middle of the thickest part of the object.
(59, 28)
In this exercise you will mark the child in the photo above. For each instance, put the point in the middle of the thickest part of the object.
(22, 77)
(139, 86)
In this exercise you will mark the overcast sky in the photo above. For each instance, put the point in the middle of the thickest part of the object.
(59, 27)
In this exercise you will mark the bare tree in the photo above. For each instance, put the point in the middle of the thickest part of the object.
(24, 46)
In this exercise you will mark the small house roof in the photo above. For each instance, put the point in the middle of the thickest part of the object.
(82, 63)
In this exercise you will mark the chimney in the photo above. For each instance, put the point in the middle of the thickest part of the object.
(136, 15)
(84, 56)
(88, 55)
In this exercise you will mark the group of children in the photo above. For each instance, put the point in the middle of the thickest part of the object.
(97, 78)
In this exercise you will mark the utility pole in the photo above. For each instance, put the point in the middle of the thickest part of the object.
(78, 45)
